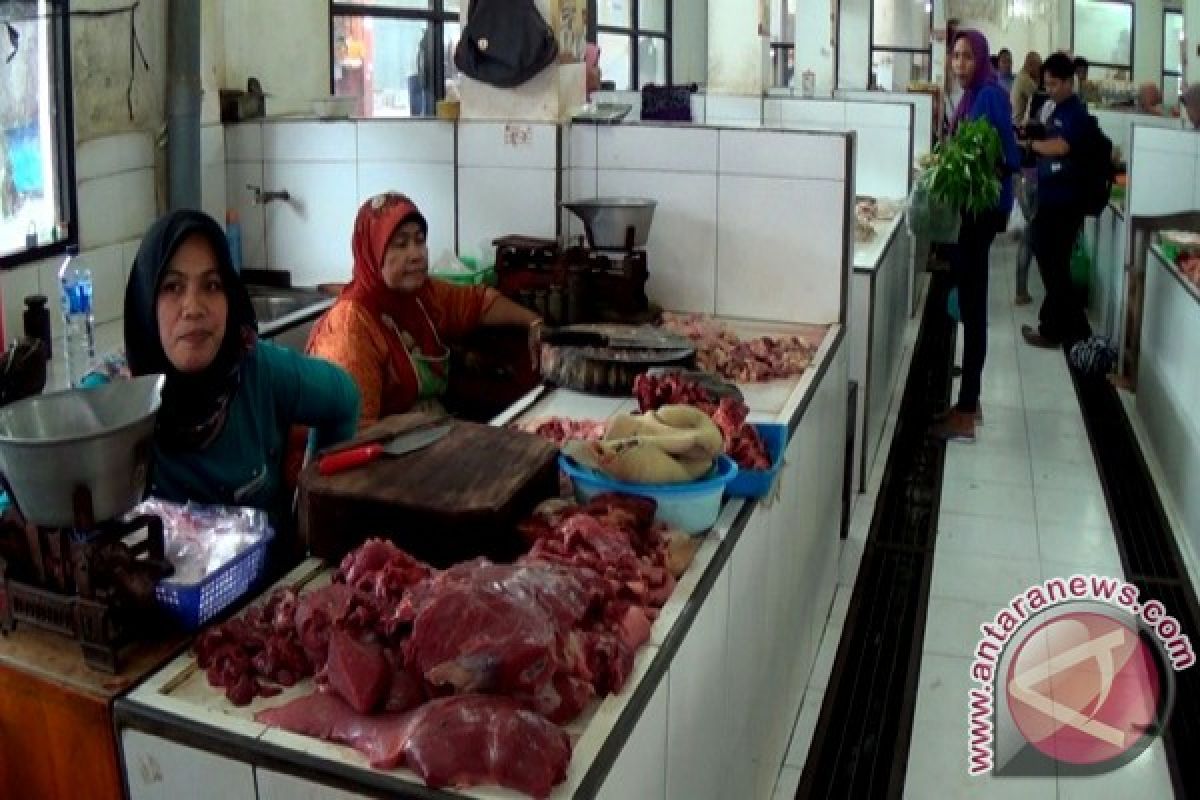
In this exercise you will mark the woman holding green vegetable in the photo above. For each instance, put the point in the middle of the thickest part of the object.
(983, 100)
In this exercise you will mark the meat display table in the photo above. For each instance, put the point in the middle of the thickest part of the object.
(1167, 390)
(880, 296)
(708, 709)
(56, 727)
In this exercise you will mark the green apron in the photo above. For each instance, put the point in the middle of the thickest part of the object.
(432, 371)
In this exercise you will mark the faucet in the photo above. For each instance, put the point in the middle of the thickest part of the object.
(263, 197)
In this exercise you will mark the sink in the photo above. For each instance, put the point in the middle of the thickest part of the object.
(286, 315)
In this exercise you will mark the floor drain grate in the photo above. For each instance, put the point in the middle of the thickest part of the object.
(860, 748)
(1150, 557)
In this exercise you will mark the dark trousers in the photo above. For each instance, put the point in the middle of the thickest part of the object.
(1055, 230)
(969, 265)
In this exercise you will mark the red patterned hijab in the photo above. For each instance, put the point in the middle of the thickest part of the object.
(377, 219)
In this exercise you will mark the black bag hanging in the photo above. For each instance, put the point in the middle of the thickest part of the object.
(505, 43)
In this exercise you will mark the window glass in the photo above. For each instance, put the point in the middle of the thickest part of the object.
(451, 6)
(1104, 32)
(616, 60)
(1172, 35)
(652, 60)
(892, 71)
(900, 23)
(387, 63)
(33, 197)
(615, 13)
(652, 15)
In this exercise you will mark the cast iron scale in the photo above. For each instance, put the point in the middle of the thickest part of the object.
(575, 285)
(85, 582)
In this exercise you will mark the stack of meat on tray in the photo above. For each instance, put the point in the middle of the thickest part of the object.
(463, 675)
(721, 351)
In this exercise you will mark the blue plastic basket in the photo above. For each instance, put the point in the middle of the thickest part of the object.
(757, 482)
(193, 605)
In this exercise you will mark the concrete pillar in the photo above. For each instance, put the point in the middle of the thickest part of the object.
(738, 57)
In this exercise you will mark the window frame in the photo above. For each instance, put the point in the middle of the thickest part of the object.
(1169, 73)
(634, 33)
(873, 48)
(436, 16)
(782, 48)
(1132, 36)
(59, 19)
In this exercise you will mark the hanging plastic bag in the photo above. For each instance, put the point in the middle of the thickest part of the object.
(928, 218)
(505, 42)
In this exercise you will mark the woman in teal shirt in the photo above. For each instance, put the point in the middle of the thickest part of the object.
(229, 400)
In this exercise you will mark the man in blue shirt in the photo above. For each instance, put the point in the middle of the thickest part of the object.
(1059, 216)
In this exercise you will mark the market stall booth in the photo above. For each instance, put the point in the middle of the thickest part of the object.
(751, 243)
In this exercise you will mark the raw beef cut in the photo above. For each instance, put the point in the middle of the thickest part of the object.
(563, 429)
(721, 351)
(358, 671)
(454, 741)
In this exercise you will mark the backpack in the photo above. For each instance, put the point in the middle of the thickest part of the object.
(505, 42)
(1091, 160)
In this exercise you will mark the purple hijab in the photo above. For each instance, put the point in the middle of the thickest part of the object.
(984, 74)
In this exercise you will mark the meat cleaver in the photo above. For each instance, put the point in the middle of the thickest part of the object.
(410, 442)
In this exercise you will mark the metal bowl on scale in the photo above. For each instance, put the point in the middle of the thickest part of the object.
(53, 445)
(615, 223)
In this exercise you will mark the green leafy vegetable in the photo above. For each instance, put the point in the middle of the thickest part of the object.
(964, 173)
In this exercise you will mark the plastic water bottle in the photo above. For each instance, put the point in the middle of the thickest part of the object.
(79, 325)
(233, 233)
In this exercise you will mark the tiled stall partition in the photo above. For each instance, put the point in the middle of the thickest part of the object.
(884, 132)
(328, 169)
(1118, 126)
(1163, 171)
(508, 182)
(922, 113)
(212, 172)
(748, 223)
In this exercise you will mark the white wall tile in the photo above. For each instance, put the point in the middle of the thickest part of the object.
(309, 141)
(310, 234)
(486, 207)
(15, 286)
(417, 140)
(719, 109)
(212, 191)
(881, 161)
(581, 184)
(244, 142)
(431, 187)
(522, 145)
(1162, 182)
(779, 250)
(109, 155)
(877, 115)
(799, 112)
(699, 106)
(581, 147)
(212, 145)
(681, 252)
(116, 207)
(784, 154)
(237, 196)
(671, 149)
(772, 113)
(108, 281)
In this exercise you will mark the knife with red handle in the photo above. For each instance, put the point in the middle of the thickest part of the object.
(350, 458)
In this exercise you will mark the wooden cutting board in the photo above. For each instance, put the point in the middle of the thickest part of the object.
(459, 498)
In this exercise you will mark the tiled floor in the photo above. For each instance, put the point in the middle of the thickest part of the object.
(1021, 504)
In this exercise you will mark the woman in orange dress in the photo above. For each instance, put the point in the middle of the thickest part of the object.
(389, 326)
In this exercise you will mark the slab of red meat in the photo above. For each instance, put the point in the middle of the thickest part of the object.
(358, 671)
(494, 628)
(455, 741)
(564, 429)
(380, 569)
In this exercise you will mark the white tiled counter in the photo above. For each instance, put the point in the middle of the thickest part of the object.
(1104, 238)
(708, 709)
(1168, 392)
(880, 295)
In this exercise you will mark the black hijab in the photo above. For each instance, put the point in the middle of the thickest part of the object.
(194, 405)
